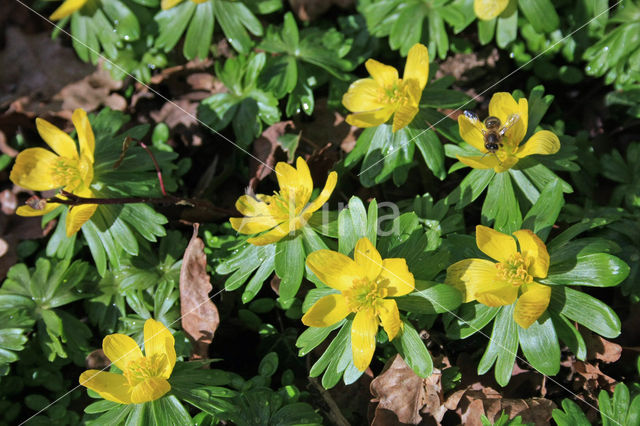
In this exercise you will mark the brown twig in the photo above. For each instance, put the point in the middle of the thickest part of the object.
(334, 411)
(169, 200)
(157, 166)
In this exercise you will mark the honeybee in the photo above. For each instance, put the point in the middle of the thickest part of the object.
(494, 130)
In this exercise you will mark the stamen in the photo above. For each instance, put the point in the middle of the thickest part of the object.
(144, 368)
(515, 271)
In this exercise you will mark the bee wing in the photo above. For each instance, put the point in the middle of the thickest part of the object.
(472, 116)
(511, 120)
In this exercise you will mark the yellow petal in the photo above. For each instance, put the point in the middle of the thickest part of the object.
(543, 142)
(29, 211)
(158, 340)
(366, 255)
(498, 294)
(389, 317)
(85, 133)
(386, 76)
(505, 163)
(470, 276)
(531, 246)
(66, 9)
(531, 304)
(334, 269)
(250, 206)
(110, 386)
(253, 225)
(296, 182)
(502, 105)
(327, 311)
(78, 216)
(58, 140)
(273, 236)
(417, 66)
(363, 338)
(396, 277)
(489, 9)
(121, 350)
(370, 118)
(168, 4)
(364, 95)
(488, 161)
(324, 196)
(471, 132)
(34, 169)
(495, 244)
(404, 115)
(151, 389)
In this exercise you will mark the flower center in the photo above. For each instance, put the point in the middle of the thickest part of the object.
(144, 368)
(65, 173)
(515, 271)
(365, 294)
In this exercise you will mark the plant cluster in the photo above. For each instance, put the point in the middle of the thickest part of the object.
(492, 239)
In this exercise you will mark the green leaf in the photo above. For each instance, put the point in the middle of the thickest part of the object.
(172, 23)
(585, 310)
(432, 151)
(352, 225)
(268, 365)
(335, 348)
(471, 318)
(540, 346)
(596, 270)
(414, 350)
(541, 14)
(198, 39)
(389, 155)
(313, 336)
(538, 105)
(571, 416)
(289, 263)
(507, 26)
(528, 189)
(125, 21)
(543, 214)
(430, 298)
(169, 410)
(486, 29)
(502, 347)
(569, 335)
(540, 175)
(470, 188)
(501, 206)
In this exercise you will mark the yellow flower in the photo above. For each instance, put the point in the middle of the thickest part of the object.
(374, 100)
(67, 8)
(283, 212)
(509, 279)
(168, 4)
(39, 169)
(489, 9)
(144, 377)
(364, 283)
(502, 106)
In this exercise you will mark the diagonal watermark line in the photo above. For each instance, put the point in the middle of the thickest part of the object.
(432, 126)
(144, 342)
(478, 330)
(155, 92)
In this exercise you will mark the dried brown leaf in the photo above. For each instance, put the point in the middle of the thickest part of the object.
(400, 394)
(36, 67)
(200, 317)
(308, 10)
(600, 348)
(264, 149)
